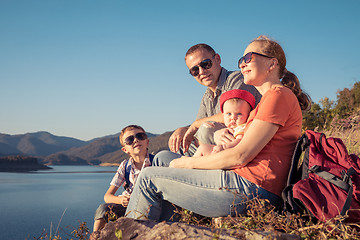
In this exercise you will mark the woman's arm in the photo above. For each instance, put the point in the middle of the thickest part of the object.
(257, 136)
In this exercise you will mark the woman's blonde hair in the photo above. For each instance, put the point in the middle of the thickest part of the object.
(272, 48)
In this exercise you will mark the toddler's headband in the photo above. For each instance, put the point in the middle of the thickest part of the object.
(237, 93)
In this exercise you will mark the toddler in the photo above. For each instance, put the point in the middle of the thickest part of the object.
(235, 106)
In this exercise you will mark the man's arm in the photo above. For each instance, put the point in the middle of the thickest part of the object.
(189, 134)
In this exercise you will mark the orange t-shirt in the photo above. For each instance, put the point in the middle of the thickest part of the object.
(270, 168)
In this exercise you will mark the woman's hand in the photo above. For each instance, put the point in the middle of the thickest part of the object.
(182, 162)
(224, 136)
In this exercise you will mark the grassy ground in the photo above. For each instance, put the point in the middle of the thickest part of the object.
(263, 217)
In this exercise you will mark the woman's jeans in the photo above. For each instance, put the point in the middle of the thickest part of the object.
(211, 193)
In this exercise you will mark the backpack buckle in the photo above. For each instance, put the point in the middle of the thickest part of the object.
(314, 169)
(346, 174)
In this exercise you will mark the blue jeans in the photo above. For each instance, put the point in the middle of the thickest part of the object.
(211, 193)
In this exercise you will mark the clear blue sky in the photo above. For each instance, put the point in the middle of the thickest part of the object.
(86, 69)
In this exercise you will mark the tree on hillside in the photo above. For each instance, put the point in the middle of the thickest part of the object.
(321, 114)
(327, 111)
(356, 94)
(344, 103)
(312, 119)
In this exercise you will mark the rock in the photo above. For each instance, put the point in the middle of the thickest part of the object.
(126, 228)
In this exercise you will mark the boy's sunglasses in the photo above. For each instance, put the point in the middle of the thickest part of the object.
(247, 58)
(205, 64)
(139, 136)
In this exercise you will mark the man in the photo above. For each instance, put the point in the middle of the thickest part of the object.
(204, 65)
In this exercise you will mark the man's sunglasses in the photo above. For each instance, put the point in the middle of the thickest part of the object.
(139, 136)
(205, 64)
(247, 58)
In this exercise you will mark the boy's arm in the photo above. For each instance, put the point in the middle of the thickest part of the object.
(110, 197)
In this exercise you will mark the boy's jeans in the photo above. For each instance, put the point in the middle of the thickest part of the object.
(211, 193)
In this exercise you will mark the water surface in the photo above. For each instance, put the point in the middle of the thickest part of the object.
(33, 202)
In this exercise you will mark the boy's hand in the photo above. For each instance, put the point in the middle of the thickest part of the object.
(125, 200)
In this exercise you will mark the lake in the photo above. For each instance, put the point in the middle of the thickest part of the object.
(31, 203)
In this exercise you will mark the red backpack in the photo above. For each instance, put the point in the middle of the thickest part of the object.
(327, 181)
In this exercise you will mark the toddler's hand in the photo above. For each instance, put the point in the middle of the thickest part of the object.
(217, 148)
(224, 136)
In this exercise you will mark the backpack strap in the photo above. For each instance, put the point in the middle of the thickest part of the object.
(330, 178)
(151, 158)
(295, 174)
(346, 177)
(127, 174)
(345, 183)
(128, 169)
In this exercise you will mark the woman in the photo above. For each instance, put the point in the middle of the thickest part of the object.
(257, 166)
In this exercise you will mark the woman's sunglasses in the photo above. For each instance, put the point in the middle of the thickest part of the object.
(139, 136)
(247, 58)
(205, 64)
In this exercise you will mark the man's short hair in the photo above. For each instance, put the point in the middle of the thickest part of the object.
(200, 46)
(128, 128)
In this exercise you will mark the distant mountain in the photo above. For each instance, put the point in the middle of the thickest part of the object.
(55, 150)
(38, 144)
(104, 150)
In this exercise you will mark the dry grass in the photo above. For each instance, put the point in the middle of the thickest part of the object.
(261, 216)
(348, 130)
(350, 137)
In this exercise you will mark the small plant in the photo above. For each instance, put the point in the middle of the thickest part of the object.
(82, 232)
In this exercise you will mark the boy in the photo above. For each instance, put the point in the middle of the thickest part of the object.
(235, 106)
(135, 143)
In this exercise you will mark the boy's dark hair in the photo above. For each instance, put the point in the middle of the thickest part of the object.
(128, 128)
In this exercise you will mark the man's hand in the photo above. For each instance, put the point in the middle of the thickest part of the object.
(224, 136)
(189, 137)
(176, 139)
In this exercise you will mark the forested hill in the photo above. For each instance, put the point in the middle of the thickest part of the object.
(55, 150)
(20, 164)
